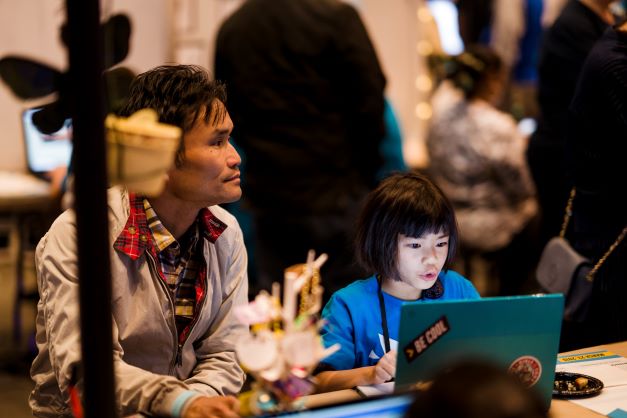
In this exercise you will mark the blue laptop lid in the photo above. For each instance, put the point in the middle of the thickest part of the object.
(520, 332)
(388, 406)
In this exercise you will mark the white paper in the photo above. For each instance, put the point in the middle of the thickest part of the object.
(376, 390)
(607, 401)
(606, 366)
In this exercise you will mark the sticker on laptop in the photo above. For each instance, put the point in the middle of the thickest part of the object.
(527, 369)
(426, 339)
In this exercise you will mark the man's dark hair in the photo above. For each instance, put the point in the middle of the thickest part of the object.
(180, 94)
(403, 203)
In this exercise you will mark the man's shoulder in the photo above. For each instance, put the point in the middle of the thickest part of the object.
(255, 9)
(225, 217)
(118, 201)
(223, 226)
(62, 227)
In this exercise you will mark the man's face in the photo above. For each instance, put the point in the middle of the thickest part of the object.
(209, 174)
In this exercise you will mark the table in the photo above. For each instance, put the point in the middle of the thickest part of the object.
(22, 196)
(562, 408)
(559, 408)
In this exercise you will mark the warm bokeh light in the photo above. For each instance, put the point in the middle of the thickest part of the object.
(423, 83)
(423, 110)
(424, 15)
(424, 48)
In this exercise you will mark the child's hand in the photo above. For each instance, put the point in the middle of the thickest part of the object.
(385, 369)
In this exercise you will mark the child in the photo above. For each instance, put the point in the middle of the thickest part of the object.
(406, 235)
(477, 157)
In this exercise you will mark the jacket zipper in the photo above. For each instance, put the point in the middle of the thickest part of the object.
(177, 347)
(190, 328)
(178, 357)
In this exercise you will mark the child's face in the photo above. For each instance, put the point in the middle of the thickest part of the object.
(421, 259)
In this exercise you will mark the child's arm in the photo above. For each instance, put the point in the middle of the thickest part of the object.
(383, 371)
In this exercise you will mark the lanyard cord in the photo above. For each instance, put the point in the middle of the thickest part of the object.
(384, 320)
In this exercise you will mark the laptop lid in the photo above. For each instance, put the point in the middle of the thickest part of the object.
(387, 406)
(520, 332)
(45, 152)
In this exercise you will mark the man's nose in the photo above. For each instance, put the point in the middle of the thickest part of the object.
(233, 159)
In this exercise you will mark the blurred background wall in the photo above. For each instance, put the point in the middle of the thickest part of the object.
(31, 28)
(183, 31)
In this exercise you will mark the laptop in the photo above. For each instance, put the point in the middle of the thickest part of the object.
(519, 332)
(387, 406)
(45, 152)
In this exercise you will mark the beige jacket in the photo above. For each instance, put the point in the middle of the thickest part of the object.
(148, 378)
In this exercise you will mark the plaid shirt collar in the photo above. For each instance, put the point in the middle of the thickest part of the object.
(136, 236)
(162, 237)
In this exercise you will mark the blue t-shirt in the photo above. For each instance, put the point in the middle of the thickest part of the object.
(353, 319)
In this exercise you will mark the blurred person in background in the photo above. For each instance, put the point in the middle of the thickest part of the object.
(565, 47)
(476, 389)
(596, 148)
(512, 28)
(477, 158)
(306, 96)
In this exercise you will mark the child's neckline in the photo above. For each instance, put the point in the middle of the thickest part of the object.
(401, 291)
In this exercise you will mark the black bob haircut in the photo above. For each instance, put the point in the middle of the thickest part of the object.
(180, 94)
(403, 203)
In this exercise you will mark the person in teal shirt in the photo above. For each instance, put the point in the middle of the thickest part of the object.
(406, 236)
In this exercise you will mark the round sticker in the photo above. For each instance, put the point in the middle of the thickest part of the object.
(527, 369)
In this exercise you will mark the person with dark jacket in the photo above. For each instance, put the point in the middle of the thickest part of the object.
(564, 49)
(597, 146)
(306, 97)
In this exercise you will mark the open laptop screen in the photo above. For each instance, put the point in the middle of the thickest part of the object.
(45, 152)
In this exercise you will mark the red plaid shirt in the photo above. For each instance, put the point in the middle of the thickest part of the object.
(137, 237)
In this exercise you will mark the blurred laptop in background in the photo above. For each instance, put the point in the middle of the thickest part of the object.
(46, 152)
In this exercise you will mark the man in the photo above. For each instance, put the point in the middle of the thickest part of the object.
(178, 267)
(306, 95)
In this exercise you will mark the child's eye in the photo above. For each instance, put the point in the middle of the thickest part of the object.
(442, 244)
(414, 245)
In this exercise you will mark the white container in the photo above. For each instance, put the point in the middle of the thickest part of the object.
(140, 151)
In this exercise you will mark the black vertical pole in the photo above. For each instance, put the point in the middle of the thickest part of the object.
(90, 185)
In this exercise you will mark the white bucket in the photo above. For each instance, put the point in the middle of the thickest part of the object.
(140, 151)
